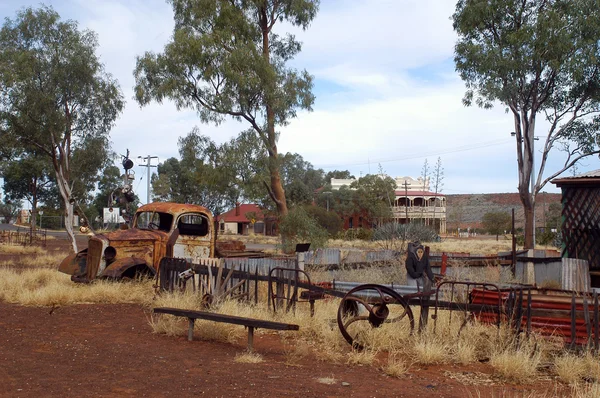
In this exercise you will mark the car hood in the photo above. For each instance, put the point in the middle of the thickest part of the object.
(134, 234)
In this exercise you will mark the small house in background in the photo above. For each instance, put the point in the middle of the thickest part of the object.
(581, 219)
(246, 219)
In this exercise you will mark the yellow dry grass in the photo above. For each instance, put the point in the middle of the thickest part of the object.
(517, 365)
(248, 357)
(35, 283)
(569, 368)
(47, 287)
(573, 369)
(397, 365)
(17, 249)
(362, 357)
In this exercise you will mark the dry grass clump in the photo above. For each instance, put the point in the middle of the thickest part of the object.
(46, 260)
(574, 369)
(248, 357)
(585, 390)
(569, 368)
(361, 357)
(254, 238)
(396, 365)
(47, 287)
(517, 365)
(18, 249)
(390, 273)
(430, 349)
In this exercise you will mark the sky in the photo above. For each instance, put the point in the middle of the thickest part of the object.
(387, 94)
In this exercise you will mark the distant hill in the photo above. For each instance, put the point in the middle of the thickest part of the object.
(467, 210)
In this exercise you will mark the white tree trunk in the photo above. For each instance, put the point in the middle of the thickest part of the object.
(65, 193)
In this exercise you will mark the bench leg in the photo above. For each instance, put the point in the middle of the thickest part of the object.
(250, 338)
(312, 308)
(191, 329)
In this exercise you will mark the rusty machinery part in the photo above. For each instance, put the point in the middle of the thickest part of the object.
(372, 306)
(207, 301)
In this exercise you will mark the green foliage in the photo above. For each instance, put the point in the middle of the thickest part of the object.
(536, 58)
(299, 227)
(8, 211)
(405, 232)
(109, 182)
(374, 195)
(357, 234)
(338, 174)
(200, 177)
(545, 238)
(299, 178)
(496, 222)
(28, 177)
(554, 216)
(226, 60)
(329, 220)
(56, 99)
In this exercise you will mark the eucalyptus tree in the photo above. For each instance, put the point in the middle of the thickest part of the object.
(55, 97)
(374, 195)
(28, 177)
(226, 59)
(538, 59)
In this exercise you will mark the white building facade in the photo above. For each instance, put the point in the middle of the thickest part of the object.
(413, 202)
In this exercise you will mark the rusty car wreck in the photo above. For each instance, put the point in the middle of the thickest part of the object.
(159, 230)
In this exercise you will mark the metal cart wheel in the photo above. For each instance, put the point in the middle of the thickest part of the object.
(372, 306)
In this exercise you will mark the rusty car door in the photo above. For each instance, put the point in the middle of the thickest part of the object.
(194, 237)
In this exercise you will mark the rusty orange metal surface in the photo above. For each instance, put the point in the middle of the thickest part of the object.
(139, 247)
(551, 312)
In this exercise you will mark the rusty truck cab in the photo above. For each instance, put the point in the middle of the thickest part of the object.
(159, 229)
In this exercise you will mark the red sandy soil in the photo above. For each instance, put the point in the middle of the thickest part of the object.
(110, 351)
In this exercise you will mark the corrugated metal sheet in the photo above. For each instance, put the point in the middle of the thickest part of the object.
(575, 275)
(263, 265)
(347, 256)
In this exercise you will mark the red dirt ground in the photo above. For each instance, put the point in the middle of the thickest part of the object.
(110, 350)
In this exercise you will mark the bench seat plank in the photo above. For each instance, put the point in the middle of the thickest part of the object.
(251, 323)
(236, 320)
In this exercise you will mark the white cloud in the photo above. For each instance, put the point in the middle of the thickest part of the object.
(385, 83)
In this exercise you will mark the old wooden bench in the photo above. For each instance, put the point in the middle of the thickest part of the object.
(250, 323)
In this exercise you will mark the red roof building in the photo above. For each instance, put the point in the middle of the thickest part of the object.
(245, 219)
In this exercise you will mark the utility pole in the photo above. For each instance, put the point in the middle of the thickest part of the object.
(148, 164)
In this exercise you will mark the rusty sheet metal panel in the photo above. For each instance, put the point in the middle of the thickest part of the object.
(552, 312)
(192, 248)
(93, 258)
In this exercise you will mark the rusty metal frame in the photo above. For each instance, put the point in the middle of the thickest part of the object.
(286, 289)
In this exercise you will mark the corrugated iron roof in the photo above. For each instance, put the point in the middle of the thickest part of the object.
(590, 175)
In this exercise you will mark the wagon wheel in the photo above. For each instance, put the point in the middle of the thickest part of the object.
(372, 306)
(219, 286)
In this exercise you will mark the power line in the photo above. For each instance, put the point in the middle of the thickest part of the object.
(462, 148)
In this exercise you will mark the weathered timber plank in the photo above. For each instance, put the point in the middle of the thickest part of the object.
(235, 320)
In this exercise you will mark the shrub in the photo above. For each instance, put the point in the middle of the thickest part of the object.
(299, 227)
(329, 220)
(410, 232)
(357, 233)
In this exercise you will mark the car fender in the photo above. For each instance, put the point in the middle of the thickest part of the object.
(74, 264)
(120, 266)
